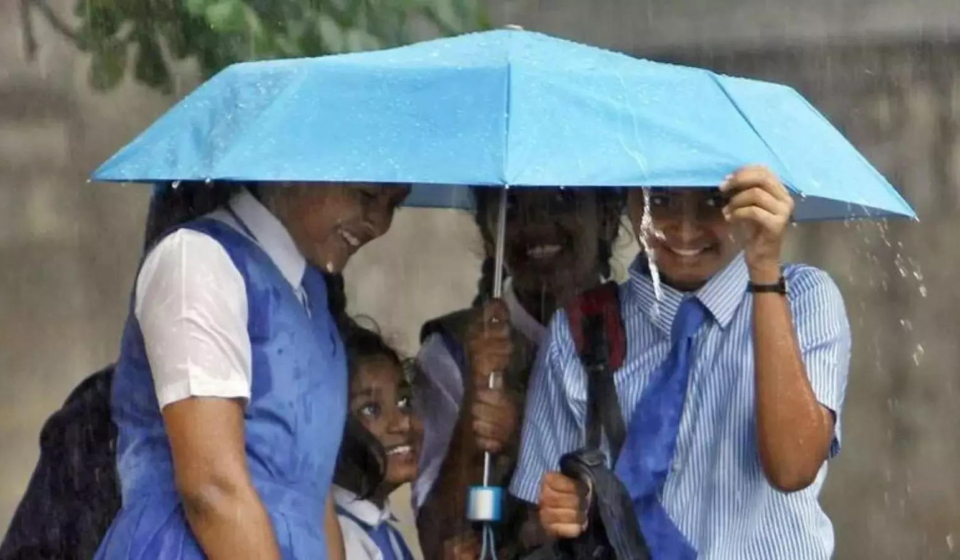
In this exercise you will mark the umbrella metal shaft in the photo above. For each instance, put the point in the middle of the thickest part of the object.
(497, 293)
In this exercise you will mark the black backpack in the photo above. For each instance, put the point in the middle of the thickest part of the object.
(612, 530)
(74, 493)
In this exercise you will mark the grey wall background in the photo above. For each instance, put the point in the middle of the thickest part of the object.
(885, 71)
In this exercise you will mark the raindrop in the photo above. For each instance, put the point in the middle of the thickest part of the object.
(906, 324)
(923, 290)
(918, 354)
(646, 231)
(175, 185)
(950, 542)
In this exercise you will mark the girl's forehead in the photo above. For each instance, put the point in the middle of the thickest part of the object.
(378, 370)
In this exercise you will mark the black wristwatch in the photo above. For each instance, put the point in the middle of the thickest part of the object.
(779, 288)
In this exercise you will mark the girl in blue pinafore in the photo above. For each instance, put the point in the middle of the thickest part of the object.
(381, 446)
(230, 391)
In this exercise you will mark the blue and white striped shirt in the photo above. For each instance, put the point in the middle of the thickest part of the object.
(716, 493)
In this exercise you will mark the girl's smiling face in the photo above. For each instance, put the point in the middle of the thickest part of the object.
(553, 236)
(331, 222)
(692, 240)
(381, 400)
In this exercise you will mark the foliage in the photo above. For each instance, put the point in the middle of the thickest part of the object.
(220, 32)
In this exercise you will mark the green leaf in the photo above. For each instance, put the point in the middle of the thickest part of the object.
(151, 69)
(103, 22)
(108, 65)
(196, 7)
(331, 34)
(226, 16)
(359, 40)
(83, 7)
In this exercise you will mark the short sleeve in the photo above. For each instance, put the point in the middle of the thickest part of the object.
(823, 334)
(191, 305)
(438, 393)
(550, 426)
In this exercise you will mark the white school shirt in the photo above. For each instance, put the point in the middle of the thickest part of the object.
(356, 542)
(191, 304)
(716, 492)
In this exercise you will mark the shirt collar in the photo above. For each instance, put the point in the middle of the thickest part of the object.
(520, 318)
(271, 235)
(364, 510)
(721, 295)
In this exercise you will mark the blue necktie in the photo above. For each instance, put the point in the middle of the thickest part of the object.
(652, 438)
(381, 536)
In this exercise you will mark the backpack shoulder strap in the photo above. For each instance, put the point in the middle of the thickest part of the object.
(598, 333)
(452, 329)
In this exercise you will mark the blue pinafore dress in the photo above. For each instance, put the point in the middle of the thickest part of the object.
(293, 421)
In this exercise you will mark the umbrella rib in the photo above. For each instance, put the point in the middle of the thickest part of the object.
(743, 115)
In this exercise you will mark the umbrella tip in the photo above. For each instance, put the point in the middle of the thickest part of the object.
(513, 27)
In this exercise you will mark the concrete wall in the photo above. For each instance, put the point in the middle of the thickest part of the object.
(630, 24)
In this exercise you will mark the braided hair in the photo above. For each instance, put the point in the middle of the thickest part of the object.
(609, 204)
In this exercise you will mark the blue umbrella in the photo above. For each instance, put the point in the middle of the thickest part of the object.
(505, 107)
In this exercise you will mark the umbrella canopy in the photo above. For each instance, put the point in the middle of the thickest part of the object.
(505, 107)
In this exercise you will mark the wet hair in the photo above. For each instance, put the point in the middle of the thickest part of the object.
(171, 206)
(610, 204)
(362, 461)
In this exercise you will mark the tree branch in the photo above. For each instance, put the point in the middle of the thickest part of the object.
(54, 20)
(26, 24)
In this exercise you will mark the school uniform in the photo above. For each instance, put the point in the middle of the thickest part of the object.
(226, 307)
(369, 531)
(715, 496)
